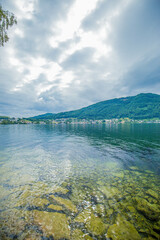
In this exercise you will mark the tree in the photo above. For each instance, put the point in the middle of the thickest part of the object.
(7, 19)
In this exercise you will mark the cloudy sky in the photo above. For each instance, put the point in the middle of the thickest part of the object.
(67, 54)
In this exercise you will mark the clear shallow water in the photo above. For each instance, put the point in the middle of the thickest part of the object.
(80, 182)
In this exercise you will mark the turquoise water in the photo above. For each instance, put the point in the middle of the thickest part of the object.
(80, 181)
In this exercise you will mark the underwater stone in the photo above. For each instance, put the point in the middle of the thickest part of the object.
(149, 238)
(28, 200)
(39, 202)
(134, 168)
(66, 202)
(77, 234)
(110, 192)
(118, 174)
(53, 224)
(40, 188)
(150, 211)
(111, 165)
(153, 194)
(30, 235)
(13, 221)
(60, 190)
(122, 230)
(100, 209)
(4, 192)
(154, 234)
(83, 216)
(100, 182)
(148, 171)
(93, 224)
(78, 195)
(109, 212)
(24, 199)
(55, 207)
(131, 209)
(99, 196)
(156, 226)
(64, 184)
(151, 199)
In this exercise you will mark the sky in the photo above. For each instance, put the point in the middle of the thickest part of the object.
(66, 54)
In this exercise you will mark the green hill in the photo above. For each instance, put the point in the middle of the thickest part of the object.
(141, 106)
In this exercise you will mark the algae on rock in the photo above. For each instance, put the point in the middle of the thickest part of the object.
(153, 194)
(150, 211)
(94, 224)
(26, 200)
(77, 234)
(14, 221)
(122, 229)
(110, 192)
(55, 207)
(66, 203)
(53, 224)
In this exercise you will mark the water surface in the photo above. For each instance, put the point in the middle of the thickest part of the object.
(80, 181)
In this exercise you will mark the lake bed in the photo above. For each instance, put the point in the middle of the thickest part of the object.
(80, 181)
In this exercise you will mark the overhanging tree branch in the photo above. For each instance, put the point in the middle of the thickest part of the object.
(7, 19)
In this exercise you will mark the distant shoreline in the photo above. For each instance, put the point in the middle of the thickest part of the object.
(74, 121)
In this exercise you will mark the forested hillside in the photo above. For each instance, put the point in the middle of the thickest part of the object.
(141, 106)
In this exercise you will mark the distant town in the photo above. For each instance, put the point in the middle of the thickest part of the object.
(8, 120)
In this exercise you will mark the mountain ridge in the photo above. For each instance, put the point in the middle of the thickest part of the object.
(141, 106)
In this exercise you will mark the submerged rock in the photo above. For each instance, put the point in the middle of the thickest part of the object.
(60, 190)
(134, 168)
(149, 238)
(148, 171)
(150, 211)
(153, 194)
(78, 195)
(94, 224)
(119, 174)
(110, 192)
(83, 216)
(109, 212)
(100, 210)
(53, 224)
(30, 235)
(4, 192)
(39, 202)
(131, 209)
(156, 226)
(55, 207)
(27, 200)
(122, 230)
(66, 203)
(40, 188)
(13, 221)
(77, 234)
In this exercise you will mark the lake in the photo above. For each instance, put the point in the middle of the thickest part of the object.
(80, 182)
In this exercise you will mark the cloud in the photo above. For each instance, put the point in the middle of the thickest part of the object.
(99, 17)
(148, 74)
(67, 28)
(63, 55)
(136, 31)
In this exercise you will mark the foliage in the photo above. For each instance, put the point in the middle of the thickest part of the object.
(7, 19)
(142, 106)
(4, 117)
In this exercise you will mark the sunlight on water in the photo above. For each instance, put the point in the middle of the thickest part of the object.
(79, 183)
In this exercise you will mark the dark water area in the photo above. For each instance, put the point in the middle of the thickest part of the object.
(80, 181)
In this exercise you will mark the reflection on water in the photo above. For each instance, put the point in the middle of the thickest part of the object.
(80, 182)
